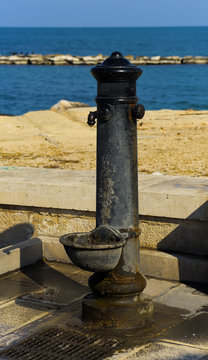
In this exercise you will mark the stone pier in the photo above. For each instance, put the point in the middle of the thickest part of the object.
(61, 59)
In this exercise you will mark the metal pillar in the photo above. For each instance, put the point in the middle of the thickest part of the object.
(116, 299)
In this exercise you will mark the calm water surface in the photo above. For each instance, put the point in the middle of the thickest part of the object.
(25, 88)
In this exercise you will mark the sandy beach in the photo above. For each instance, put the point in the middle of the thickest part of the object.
(169, 141)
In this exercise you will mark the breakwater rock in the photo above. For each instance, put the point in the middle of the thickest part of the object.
(58, 59)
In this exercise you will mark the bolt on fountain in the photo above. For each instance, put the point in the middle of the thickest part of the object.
(111, 250)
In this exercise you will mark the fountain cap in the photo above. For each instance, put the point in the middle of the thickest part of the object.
(116, 68)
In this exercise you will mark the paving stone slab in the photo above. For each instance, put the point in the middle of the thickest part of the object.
(14, 316)
(191, 331)
(184, 297)
(161, 351)
(157, 287)
(59, 284)
(15, 285)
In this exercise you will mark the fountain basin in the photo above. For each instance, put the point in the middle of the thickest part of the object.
(98, 250)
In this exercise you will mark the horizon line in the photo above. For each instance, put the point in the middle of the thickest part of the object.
(101, 27)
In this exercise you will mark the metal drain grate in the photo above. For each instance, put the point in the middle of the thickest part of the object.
(60, 344)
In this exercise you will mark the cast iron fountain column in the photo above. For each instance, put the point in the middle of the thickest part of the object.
(116, 299)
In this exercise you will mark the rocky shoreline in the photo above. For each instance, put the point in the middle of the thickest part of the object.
(58, 59)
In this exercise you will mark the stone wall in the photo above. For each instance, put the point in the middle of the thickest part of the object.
(37, 206)
(171, 235)
(48, 203)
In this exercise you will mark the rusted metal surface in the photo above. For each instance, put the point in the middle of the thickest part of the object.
(60, 344)
(117, 312)
(116, 299)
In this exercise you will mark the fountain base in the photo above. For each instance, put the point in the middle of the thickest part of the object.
(123, 312)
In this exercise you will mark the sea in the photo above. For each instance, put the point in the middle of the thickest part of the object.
(28, 87)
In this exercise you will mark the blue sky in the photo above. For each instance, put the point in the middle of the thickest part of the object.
(89, 13)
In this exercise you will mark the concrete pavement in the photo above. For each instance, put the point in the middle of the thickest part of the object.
(41, 304)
